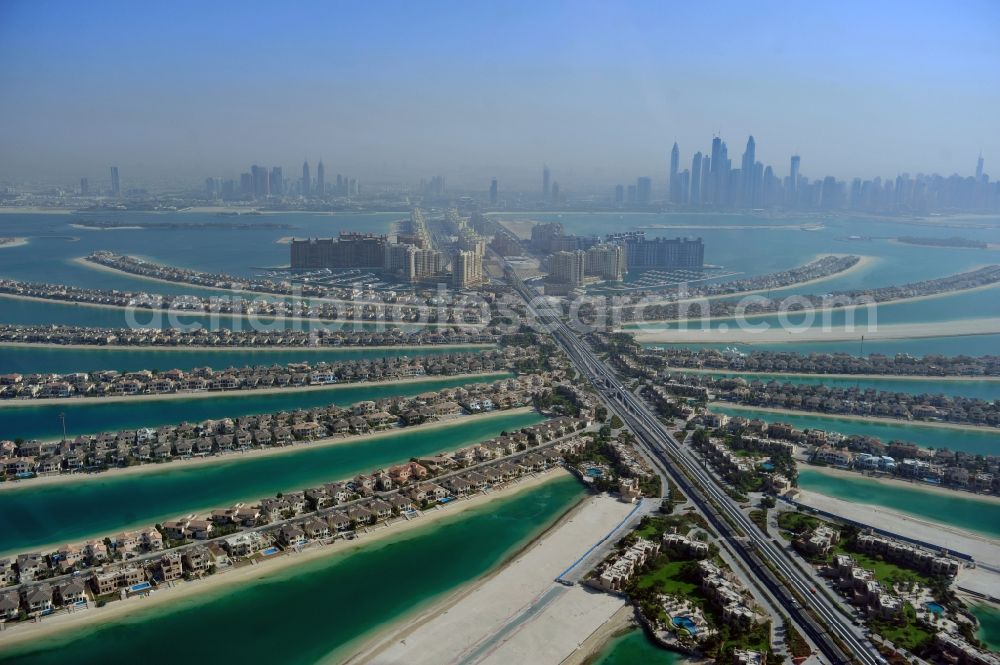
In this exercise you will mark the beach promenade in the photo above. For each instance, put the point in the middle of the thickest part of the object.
(519, 614)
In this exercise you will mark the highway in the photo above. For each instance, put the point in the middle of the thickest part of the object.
(791, 587)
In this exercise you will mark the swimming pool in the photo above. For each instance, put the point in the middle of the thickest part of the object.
(141, 586)
(269, 551)
(686, 623)
(934, 608)
(594, 472)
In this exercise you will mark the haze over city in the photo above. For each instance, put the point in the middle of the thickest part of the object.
(554, 333)
(399, 91)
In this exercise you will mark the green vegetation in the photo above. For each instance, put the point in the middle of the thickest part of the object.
(796, 643)
(904, 631)
(886, 573)
(616, 422)
(759, 517)
(797, 523)
(665, 575)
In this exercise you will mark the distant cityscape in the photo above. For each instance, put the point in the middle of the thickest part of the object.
(712, 182)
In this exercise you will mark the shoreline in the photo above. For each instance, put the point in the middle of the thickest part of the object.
(824, 310)
(892, 481)
(209, 349)
(895, 331)
(864, 261)
(863, 377)
(381, 323)
(864, 419)
(372, 648)
(980, 546)
(15, 635)
(14, 242)
(208, 394)
(142, 469)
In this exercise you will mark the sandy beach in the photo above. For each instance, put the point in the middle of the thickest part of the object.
(861, 419)
(980, 547)
(726, 335)
(141, 469)
(813, 226)
(417, 348)
(210, 394)
(345, 323)
(34, 210)
(870, 377)
(518, 614)
(218, 583)
(891, 481)
(13, 242)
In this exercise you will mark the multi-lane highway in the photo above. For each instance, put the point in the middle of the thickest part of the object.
(791, 587)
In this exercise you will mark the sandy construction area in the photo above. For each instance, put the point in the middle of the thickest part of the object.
(518, 615)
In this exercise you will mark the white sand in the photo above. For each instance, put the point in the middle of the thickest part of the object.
(733, 335)
(13, 242)
(982, 548)
(519, 615)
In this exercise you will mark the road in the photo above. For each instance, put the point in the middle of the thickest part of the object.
(791, 586)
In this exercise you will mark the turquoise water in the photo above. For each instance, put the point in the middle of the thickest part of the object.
(31, 516)
(978, 442)
(41, 420)
(37, 312)
(64, 361)
(956, 509)
(989, 625)
(320, 610)
(987, 390)
(970, 345)
(633, 648)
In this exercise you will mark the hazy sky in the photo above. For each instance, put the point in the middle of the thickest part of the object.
(400, 90)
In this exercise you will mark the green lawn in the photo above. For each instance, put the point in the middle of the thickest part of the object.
(905, 632)
(669, 574)
(885, 572)
(797, 522)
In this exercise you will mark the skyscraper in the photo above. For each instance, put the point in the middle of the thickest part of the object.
(979, 168)
(546, 182)
(320, 179)
(675, 186)
(644, 191)
(306, 179)
(747, 173)
(794, 174)
(555, 194)
(116, 183)
(85, 186)
(494, 192)
(619, 194)
(277, 182)
(696, 179)
(712, 194)
(261, 182)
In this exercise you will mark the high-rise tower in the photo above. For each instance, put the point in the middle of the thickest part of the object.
(116, 183)
(546, 182)
(320, 179)
(696, 179)
(748, 186)
(494, 192)
(306, 179)
(675, 185)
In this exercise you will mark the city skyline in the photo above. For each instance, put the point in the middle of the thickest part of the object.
(843, 91)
